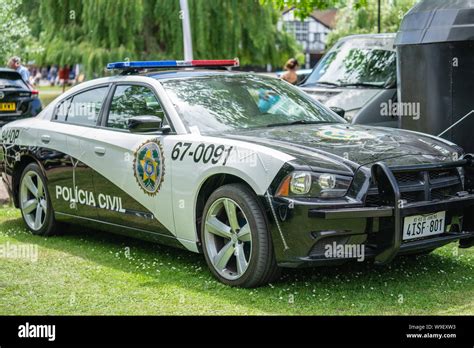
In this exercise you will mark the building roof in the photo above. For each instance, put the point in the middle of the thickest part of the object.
(326, 17)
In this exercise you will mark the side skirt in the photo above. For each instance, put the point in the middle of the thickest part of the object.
(124, 230)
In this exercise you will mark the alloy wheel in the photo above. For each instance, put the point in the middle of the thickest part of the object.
(33, 201)
(228, 238)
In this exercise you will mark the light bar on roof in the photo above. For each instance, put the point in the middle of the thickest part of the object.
(173, 64)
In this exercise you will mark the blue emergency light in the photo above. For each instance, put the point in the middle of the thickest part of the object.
(158, 64)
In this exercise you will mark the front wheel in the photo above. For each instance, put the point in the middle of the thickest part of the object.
(236, 241)
(34, 201)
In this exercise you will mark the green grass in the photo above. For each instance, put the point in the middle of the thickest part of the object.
(49, 93)
(90, 272)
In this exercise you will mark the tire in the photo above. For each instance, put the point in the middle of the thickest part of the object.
(244, 242)
(36, 209)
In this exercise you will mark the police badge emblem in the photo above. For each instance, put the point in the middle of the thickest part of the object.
(148, 166)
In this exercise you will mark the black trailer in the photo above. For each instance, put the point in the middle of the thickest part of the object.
(435, 48)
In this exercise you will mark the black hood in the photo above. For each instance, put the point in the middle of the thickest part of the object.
(345, 147)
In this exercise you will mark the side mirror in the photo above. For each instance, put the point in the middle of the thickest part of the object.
(144, 124)
(341, 112)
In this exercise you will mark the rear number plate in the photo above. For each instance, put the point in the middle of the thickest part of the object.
(7, 107)
(419, 226)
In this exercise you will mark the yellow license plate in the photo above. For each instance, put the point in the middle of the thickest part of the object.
(7, 107)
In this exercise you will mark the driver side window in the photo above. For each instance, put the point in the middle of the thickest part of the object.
(130, 101)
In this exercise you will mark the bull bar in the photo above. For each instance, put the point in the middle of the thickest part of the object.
(393, 210)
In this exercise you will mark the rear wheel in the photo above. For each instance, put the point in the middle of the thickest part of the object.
(34, 201)
(236, 241)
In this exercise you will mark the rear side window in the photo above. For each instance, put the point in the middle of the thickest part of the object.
(11, 79)
(132, 100)
(83, 108)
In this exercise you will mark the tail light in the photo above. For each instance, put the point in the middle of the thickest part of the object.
(34, 93)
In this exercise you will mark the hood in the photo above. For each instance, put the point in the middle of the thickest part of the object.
(344, 147)
(345, 98)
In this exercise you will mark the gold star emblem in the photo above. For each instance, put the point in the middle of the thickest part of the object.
(145, 163)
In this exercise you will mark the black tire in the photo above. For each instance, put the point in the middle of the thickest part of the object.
(262, 266)
(49, 225)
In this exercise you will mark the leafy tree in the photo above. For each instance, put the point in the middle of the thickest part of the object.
(303, 8)
(363, 20)
(15, 38)
(94, 32)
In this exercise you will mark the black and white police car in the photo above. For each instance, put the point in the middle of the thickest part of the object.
(247, 169)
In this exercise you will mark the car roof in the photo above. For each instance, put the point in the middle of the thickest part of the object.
(9, 70)
(192, 72)
(371, 36)
(386, 40)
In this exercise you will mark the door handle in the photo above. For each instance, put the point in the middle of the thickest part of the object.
(45, 139)
(99, 150)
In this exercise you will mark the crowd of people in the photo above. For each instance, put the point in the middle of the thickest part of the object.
(53, 75)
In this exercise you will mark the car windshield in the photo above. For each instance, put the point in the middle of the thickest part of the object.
(225, 103)
(11, 79)
(357, 62)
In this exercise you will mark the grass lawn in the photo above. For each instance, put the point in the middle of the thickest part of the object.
(91, 272)
(47, 93)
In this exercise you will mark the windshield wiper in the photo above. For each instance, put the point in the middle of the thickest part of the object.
(361, 84)
(328, 83)
(297, 122)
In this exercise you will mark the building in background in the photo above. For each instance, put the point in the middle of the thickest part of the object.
(311, 33)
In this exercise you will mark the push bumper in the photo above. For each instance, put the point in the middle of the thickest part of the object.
(304, 231)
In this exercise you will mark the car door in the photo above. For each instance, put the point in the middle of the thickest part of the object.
(130, 179)
(64, 152)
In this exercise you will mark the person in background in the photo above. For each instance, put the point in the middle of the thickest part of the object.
(53, 73)
(290, 75)
(64, 76)
(15, 64)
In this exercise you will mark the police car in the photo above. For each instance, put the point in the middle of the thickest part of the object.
(246, 169)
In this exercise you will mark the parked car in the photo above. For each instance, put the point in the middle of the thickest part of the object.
(358, 75)
(246, 169)
(17, 99)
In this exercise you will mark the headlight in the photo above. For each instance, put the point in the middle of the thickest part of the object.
(318, 185)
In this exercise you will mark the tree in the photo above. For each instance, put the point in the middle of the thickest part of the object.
(95, 32)
(303, 8)
(363, 20)
(15, 38)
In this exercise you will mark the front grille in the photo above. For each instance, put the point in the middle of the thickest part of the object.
(411, 197)
(418, 186)
(444, 193)
(442, 174)
(407, 178)
(373, 200)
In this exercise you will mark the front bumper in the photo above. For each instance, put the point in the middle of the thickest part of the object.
(303, 232)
